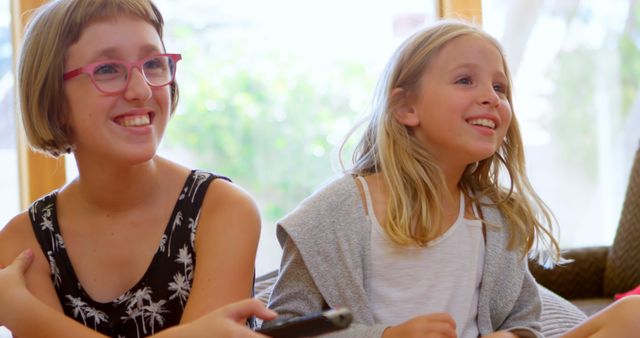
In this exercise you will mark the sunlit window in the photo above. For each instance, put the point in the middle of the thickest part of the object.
(576, 66)
(9, 202)
(269, 88)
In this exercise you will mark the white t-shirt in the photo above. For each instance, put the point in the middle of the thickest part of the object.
(405, 282)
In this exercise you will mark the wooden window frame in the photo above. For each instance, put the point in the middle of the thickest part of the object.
(469, 10)
(38, 173)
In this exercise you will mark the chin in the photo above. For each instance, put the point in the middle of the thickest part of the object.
(140, 156)
(482, 154)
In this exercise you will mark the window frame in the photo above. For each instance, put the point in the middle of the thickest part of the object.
(38, 173)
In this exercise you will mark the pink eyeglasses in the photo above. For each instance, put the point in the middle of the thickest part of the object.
(112, 76)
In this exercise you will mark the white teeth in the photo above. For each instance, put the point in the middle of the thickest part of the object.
(483, 122)
(135, 121)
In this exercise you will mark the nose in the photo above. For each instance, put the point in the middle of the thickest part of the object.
(137, 87)
(489, 96)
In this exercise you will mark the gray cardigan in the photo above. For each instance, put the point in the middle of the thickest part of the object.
(326, 255)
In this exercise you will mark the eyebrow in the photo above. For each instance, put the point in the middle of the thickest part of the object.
(472, 65)
(115, 52)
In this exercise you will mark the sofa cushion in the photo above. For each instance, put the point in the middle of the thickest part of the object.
(623, 263)
(558, 315)
(592, 305)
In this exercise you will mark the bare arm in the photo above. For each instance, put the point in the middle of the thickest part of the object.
(15, 237)
(619, 320)
(226, 242)
(16, 303)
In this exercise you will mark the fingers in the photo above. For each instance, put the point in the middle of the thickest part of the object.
(433, 325)
(23, 261)
(441, 329)
(442, 318)
(246, 308)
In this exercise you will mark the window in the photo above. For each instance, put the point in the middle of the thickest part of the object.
(9, 201)
(268, 90)
(576, 70)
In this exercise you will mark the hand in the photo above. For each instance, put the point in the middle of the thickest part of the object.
(436, 325)
(224, 322)
(13, 284)
(501, 334)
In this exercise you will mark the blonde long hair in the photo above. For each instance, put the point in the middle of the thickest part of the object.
(416, 183)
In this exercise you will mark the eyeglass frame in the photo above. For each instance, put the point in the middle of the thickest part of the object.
(89, 68)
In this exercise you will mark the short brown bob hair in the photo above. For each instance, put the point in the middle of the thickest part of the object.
(53, 27)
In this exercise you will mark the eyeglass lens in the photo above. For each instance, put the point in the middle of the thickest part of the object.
(158, 71)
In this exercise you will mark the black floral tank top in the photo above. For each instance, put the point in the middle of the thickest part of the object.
(158, 299)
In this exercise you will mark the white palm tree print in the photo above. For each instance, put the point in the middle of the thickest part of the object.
(163, 243)
(137, 301)
(84, 311)
(132, 314)
(33, 210)
(55, 272)
(177, 222)
(181, 288)
(123, 298)
(47, 225)
(184, 257)
(98, 316)
(153, 313)
(79, 308)
(182, 194)
(193, 225)
(200, 177)
(59, 241)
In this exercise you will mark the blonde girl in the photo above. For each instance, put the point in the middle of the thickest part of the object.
(427, 234)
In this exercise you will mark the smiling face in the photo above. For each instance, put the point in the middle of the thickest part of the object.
(460, 110)
(123, 127)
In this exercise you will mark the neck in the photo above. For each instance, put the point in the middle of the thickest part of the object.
(451, 193)
(113, 187)
(452, 177)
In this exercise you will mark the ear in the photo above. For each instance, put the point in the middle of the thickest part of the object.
(403, 108)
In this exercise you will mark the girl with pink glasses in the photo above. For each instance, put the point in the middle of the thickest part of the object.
(136, 244)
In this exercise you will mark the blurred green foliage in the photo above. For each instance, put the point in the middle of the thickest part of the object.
(272, 126)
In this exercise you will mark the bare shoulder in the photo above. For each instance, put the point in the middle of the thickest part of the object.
(224, 197)
(228, 211)
(15, 237)
(226, 240)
